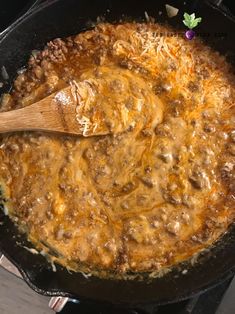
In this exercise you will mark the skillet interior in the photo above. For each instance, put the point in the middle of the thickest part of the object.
(32, 33)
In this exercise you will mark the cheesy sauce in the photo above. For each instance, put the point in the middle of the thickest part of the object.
(147, 196)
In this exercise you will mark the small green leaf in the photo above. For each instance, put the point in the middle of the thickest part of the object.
(186, 17)
(196, 22)
(192, 16)
(198, 19)
(190, 20)
(193, 24)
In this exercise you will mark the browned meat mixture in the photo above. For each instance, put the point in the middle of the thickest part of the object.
(139, 200)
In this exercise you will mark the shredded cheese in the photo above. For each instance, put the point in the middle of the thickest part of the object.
(85, 124)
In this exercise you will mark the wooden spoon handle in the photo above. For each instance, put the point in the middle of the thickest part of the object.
(21, 119)
(49, 114)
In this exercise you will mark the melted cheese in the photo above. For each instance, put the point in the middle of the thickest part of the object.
(152, 194)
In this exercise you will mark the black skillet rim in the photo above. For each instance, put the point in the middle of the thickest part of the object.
(30, 6)
(30, 280)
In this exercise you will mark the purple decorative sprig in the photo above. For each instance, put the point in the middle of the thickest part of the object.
(191, 21)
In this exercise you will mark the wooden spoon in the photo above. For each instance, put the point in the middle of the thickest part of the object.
(56, 113)
(113, 102)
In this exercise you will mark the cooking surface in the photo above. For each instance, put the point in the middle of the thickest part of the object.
(17, 298)
(143, 199)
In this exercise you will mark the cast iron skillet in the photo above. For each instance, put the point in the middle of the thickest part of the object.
(65, 17)
(12, 10)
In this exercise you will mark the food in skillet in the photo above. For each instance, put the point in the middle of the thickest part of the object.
(136, 201)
